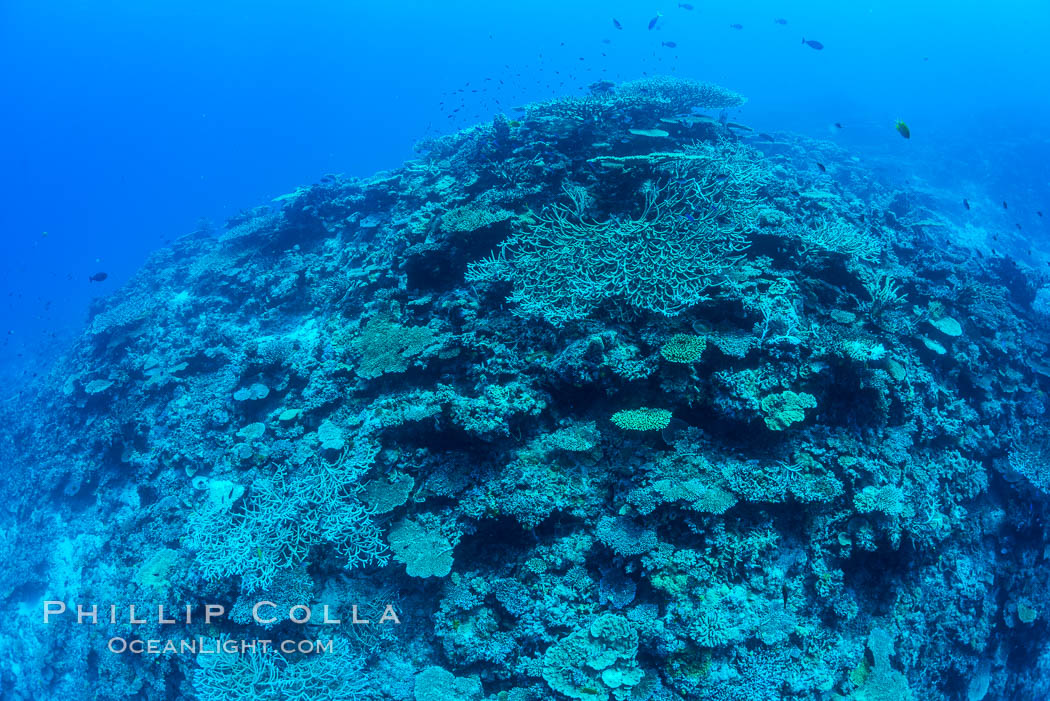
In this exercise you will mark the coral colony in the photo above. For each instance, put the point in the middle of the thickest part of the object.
(614, 401)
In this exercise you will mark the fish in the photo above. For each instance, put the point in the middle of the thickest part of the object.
(98, 277)
(616, 23)
(780, 20)
(736, 26)
(823, 168)
(1039, 213)
(813, 44)
(838, 125)
(654, 20)
(1004, 205)
(685, 6)
(966, 203)
(902, 129)
(1018, 226)
(669, 44)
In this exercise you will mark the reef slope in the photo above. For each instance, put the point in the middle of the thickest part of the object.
(609, 402)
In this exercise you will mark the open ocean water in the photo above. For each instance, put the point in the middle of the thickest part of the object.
(529, 351)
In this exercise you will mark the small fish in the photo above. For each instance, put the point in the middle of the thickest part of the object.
(1018, 227)
(966, 203)
(98, 277)
(823, 168)
(616, 23)
(669, 44)
(685, 6)
(902, 129)
(780, 21)
(813, 44)
(1004, 205)
(1039, 213)
(736, 26)
(838, 125)
(654, 20)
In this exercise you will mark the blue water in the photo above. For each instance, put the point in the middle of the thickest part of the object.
(124, 123)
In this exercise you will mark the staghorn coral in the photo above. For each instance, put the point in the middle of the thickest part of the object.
(266, 676)
(690, 231)
(284, 519)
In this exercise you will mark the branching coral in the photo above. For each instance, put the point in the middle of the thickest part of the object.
(885, 293)
(838, 236)
(692, 228)
(285, 517)
(257, 675)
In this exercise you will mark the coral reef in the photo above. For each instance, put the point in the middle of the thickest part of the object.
(600, 412)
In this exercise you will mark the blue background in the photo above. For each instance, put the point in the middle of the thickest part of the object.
(124, 123)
